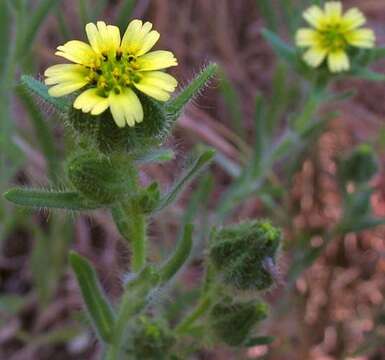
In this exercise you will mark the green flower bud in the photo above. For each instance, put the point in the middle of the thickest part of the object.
(244, 254)
(108, 137)
(151, 340)
(361, 165)
(149, 198)
(233, 322)
(100, 179)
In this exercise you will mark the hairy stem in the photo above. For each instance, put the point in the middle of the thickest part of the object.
(202, 307)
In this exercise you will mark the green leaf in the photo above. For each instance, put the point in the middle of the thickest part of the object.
(366, 74)
(156, 156)
(37, 17)
(49, 199)
(232, 103)
(192, 172)
(375, 54)
(175, 106)
(260, 340)
(98, 307)
(283, 50)
(180, 256)
(43, 133)
(41, 91)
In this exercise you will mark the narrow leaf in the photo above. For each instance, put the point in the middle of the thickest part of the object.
(98, 307)
(41, 91)
(49, 199)
(43, 132)
(125, 12)
(283, 50)
(180, 256)
(193, 171)
(156, 156)
(175, 106)
(37, 17)
(367, 74)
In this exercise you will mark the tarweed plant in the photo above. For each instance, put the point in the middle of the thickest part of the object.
(119, 103)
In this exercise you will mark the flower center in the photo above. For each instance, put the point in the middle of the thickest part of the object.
(334, 39)
(114, 72)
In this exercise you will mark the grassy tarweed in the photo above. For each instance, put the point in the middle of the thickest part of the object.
(117, 101)
(331, 35)
(110, 68)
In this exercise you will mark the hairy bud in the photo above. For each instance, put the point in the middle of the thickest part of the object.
(149, 198)
(233, 322)
(361, 165)
(151, 340)
(108, 137)
(101, 179)
(240, 254)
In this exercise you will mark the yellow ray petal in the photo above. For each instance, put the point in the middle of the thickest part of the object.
(338, 61)
(314, 56)
(91, 101)
(65, 88)
(307, 37)
(125, 108)
(333, 11)
(157, 84)
(352, 19)
(156, 60)
(138, 38)
(65, 72)
(364, 38)
(315, 16)
(77, 52)
(104, 39)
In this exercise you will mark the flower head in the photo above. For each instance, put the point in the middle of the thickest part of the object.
(110, 70)
(332, 33)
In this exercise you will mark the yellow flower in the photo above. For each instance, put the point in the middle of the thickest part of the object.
(110, 69)
(332, 33)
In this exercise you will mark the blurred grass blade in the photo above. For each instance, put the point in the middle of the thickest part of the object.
(278, 99)
(260, 340)
(192, 172)
(5, 36)
(41, 91)
(175, 106)
(37, 17)
(48, 199)
(98, 307)
(180, 256)
(260, 130)
(367, 74)
(233, 103)
(268, 13)
(283, 50)
(43, 133)
(125, 12)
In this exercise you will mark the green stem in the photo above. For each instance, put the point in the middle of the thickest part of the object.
(133, 302)
(201, 308)
(131, 223)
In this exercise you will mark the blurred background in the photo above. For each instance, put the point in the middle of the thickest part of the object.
(333, 305)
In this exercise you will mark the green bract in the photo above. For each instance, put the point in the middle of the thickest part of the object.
(233, 322)
(360, 166)
(243, 254)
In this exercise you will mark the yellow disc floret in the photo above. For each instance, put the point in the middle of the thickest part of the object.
(110, 70)
(332, 33)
